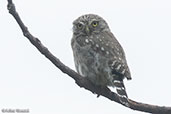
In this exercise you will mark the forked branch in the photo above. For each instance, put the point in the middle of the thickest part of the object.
(81, 81)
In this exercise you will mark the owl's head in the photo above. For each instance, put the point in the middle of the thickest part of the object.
(89, 24)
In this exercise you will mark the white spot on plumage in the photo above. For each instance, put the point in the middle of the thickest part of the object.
(91, 41)
(120, 88)
(123, 96)
(97, 45)
(107, 52)
(117, 81)
(86, 40)
(102, 48)
(113, 63)
(123, 71)
(119, 66)
(100, 40)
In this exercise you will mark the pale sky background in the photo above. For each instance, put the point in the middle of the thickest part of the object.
(29, 81)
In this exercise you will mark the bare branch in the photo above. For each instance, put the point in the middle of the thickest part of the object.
(81, 81)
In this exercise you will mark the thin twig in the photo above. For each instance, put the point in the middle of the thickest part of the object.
(81, 81)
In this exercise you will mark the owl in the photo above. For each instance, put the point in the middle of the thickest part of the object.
(98, 55)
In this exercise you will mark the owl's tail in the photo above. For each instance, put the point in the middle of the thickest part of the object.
(120, 88)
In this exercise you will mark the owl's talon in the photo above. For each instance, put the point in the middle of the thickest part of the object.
(98, 95)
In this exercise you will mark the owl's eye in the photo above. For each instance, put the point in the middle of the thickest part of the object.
(79, 26)
(95, 23)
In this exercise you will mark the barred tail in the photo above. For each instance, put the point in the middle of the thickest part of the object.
(120, 88)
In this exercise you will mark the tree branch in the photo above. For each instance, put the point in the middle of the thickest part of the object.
(82, 81)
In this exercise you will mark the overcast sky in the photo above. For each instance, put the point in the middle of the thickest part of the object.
(29, 81)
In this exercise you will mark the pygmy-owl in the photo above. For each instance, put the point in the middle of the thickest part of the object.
(98, 55)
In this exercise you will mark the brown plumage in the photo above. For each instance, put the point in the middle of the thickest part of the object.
(98, 55)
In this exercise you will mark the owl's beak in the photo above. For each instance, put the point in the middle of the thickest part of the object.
(87, 30)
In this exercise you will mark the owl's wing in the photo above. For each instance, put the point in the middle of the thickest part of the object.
(120, 69)
(117, 62)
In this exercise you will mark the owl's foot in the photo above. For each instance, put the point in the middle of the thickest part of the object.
(101, 87)
(98, 95)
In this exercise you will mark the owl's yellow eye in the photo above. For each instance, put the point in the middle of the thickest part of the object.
(94, 23)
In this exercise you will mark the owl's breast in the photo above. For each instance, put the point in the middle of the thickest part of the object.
(90, 64)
